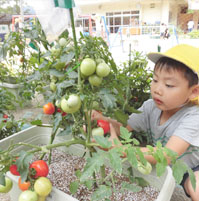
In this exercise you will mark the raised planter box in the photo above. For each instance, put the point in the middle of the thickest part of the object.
(41, 135)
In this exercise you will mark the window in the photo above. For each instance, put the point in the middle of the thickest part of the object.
(126, 18)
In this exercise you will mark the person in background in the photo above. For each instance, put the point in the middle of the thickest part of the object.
(171, 116)
(190, 25)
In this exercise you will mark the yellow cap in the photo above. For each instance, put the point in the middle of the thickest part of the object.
(185, 54)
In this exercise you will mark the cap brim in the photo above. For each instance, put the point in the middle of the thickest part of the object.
(155, 56)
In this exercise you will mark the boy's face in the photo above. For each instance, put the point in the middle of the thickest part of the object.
(169, 90)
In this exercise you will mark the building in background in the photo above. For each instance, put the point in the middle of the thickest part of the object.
(137, 14)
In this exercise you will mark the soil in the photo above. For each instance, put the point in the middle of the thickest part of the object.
(178, 194)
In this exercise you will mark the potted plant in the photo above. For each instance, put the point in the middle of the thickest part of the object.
(40, 135)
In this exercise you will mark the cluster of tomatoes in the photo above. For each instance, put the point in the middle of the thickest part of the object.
(37, 186)
(94, 71)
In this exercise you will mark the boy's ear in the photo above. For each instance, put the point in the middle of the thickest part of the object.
(195, 92)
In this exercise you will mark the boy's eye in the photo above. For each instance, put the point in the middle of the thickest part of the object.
(169, 86)
(154, 80)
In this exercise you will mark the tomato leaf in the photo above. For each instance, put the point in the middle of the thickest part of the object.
(121, 117)
(2, 179)
(93, 164)
(36, 122)
(66, 131)
(108, 100)
(74, 186)
(125, 134)
(23, 164)
(179, 169)
(115, 160)
(131, 187)
(101, 193)
(160, 168)
(192, 178)
(102, 141)
(132, 156)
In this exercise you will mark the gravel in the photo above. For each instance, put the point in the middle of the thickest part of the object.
(63, 167)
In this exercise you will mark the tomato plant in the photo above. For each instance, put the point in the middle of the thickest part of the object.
(43, 186)
(105, 125)
(7, 187)
(40, 167)
(28, 195)
(23, 186)
(49, 108)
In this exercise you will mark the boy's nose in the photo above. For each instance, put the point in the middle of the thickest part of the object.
(158, 90)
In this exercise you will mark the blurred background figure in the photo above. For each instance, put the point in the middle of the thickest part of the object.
(190, 25)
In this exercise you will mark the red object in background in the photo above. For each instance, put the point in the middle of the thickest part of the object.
(5, 116)
(105, 125)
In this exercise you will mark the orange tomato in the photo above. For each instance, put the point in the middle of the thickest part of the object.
(49, 108)
(23, 186)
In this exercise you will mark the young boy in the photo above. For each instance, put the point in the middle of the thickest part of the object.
(170, 116)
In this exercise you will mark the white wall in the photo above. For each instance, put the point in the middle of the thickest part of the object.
(151, 15)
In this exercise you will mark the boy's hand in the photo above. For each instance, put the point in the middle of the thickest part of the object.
(98, 116)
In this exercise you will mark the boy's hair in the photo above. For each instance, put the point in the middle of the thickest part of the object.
(171, 64)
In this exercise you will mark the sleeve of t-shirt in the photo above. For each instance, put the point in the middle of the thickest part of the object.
(138, 121)
(188, 129)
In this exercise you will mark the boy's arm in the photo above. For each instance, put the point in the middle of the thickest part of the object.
(175, 143)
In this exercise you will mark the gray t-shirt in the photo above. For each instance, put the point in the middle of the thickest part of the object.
(184, 124)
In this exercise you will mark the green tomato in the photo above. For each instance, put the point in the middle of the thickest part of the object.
(43, 186)
(53, 86)
(28, 195)
(144, 169)
(60, 65)
(87, 66)
(98, 131)
(102, 70)
(7, 187)
(62, 42)
(55, 51)
(71, 105)
(73, 100)
(99, 60)
(95, 80)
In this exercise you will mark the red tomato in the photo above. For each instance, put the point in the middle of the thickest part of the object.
(105, 125)
(49, 108)
(23, 186)
(5, 116)
(40, 167)
(13, 170)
